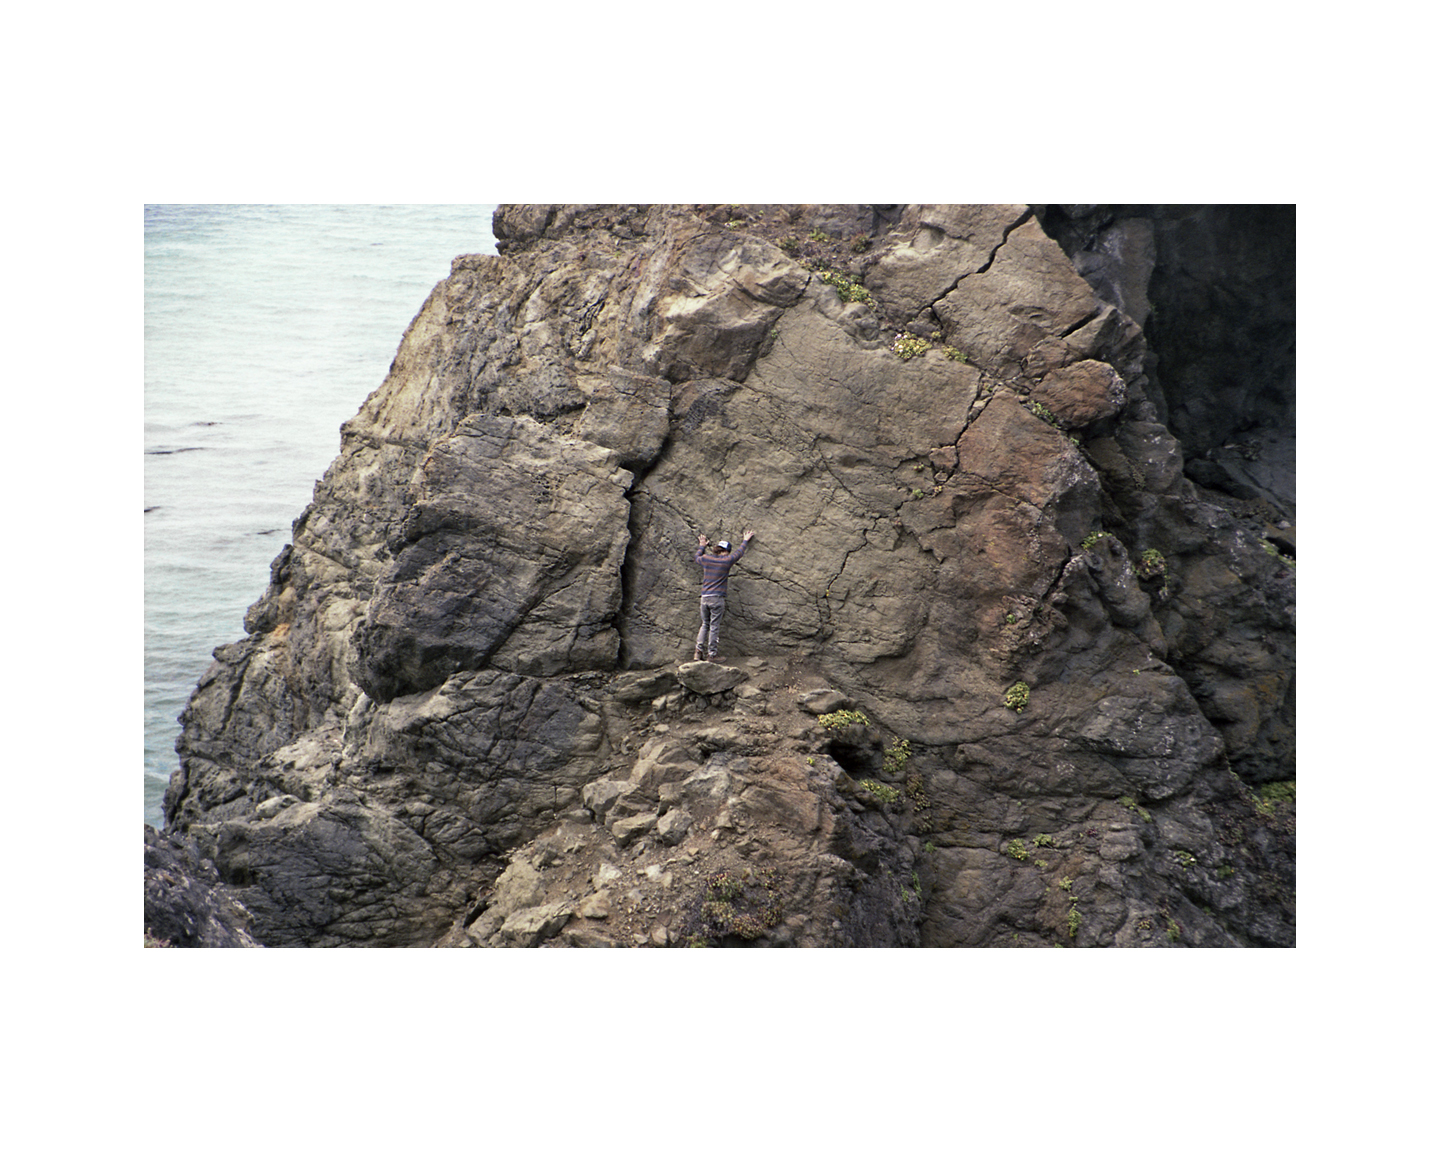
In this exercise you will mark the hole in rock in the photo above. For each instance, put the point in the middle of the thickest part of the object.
(854, 758)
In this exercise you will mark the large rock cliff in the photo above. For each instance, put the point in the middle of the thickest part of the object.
(999, 667)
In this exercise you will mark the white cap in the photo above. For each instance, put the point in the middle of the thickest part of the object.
(725, 545)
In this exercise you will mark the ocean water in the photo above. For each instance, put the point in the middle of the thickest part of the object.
(266, 326)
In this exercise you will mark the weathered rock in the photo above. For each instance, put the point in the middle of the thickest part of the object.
(443, 691)
(510, 558)
(661, 761)
(1081, 393)
(643, 685)
(823, 700)
(709, 679)
(186, 906)
(626, 830)
(531, 926)
(671, 828)
(1028, 292)
(936, 246)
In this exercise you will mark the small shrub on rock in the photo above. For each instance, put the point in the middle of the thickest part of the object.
(896, 756)
(743, 906)
(847, 288)
(1152, 563)
(907, 346)
(883, 792)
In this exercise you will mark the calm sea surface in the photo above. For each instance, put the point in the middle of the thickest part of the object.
(265, 328)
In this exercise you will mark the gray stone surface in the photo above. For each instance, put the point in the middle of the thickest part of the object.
(443, 717)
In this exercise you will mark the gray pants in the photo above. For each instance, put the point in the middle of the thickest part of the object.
(712, 608)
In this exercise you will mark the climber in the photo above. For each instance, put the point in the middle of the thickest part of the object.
(714, 575)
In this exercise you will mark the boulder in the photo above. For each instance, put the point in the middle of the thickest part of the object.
(819, 701)
(532, 926)
(627, 830)
(709, 679)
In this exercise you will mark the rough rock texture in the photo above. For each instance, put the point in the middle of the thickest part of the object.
(464, 713)
(186, 906)
(1214, 288)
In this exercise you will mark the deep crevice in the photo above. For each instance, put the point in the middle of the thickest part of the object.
(628, 565)
(1024, 216)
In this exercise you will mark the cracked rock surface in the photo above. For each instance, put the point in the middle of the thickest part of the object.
(464, 713)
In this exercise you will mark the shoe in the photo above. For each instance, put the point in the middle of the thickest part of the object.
(699, 655)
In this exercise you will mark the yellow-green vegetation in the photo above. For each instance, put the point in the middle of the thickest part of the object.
(846, 287)
(1017, 696)
(743, 905)
(1017, 849)
(883, 792)
(1274, 551)
(953, 353)
(1092, 538)
(907, 346)
(1152, 563)
(1185, 858)
(896, 756)
(915, 789)
(1044, 840)
(1173, 932)
(723, 887)
(1065, 883)
(1129, 802)
(1268, 796)
(842, 718)
(1044, 413)
(1073, 920)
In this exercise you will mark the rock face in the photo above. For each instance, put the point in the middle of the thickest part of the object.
(997, 669)
(186, 906)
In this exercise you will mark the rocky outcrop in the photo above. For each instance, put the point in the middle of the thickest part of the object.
(734, 825)
(186, 906)
(1214, 288)
(998, 670)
